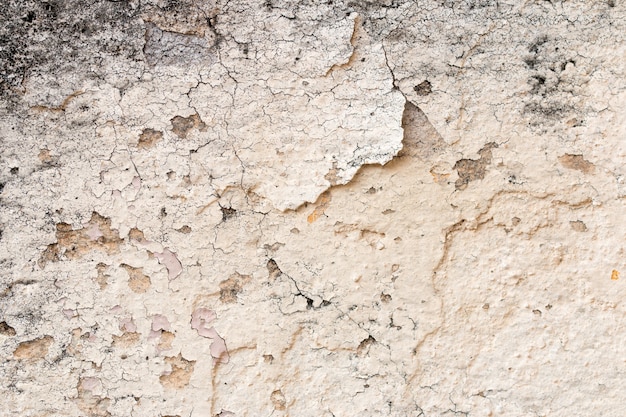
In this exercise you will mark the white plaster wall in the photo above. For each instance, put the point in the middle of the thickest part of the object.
(312, 209)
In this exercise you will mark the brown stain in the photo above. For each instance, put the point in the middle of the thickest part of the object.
(474, 169)
(577, 162)
(364, 346)
(138, 282)
(6, 330)
(33, 349)
(231, 287)
(423, 89)
(181, 126)
(322, 204)
(578, 226)
(181, 372)
(615, 275)
(273, 270)
(149, 138)
(184, 230)
(292, 341)
(278, 399)
(61, 107)
(73, 244)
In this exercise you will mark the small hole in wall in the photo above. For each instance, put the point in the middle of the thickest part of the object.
(423, 89)
(14, 170)
(29, 17)
(227, 213)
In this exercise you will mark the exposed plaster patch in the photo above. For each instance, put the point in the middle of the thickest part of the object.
(578, 225)
(33, 349)
(73, 244)
(89, 401)
(474, 169)
(149, 138)
(180, 372)
(6, 330)
(137, 281)
(577, 162)
(230, 288)
(181, 126)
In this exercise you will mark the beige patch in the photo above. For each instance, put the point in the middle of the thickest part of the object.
(149, 138)
(127, 339)
(73, 244)
(138, 282)
(474, 169)
(33, 349)
(577, 162)
(578, 226)
(181, 372)
(166, 339)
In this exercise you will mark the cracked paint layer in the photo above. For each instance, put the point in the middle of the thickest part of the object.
(227, 208)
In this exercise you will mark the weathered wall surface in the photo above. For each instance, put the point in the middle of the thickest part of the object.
(235, 208)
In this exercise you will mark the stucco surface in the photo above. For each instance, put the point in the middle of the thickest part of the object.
(238, 208)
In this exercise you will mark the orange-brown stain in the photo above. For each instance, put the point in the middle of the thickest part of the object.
(615, 275)
(324, 200)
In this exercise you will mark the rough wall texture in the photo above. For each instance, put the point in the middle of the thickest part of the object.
(236, 208)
